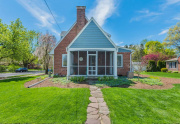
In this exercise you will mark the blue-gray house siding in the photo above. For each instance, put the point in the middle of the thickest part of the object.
(92, 37)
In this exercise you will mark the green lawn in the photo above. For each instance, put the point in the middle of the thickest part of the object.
(143, 106)
(41, 105)
(163, 74)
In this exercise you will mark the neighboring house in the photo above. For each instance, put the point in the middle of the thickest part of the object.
(87, 50)
(173, 64)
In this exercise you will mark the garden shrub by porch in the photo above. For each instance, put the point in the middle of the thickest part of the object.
(105, 78)
(113, 82)
(78, 79)
(164, 69)
(169, 71)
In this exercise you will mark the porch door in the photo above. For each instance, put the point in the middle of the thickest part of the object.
(92, 65)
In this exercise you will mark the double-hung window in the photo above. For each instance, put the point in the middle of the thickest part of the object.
(64, 60)
(120, 60)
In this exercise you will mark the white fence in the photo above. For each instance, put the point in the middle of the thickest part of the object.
(135, 66)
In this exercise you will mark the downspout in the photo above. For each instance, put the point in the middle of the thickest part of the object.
(131, 61)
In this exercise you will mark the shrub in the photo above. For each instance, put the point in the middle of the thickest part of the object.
(56, 76)
(105, 78)
(152, 77)
(169, 71)
(160, 64)
(78, 79)
(3, 68)
(164, 69)
(151, 66)
(13, 67)
(175, 71)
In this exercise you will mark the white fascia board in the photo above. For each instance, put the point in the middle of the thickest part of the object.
(92, 19)
(125, 48)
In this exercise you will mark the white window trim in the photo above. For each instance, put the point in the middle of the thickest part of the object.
(121, 59)
(62, 60)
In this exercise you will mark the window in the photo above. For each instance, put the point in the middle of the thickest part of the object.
(64, 60)
(120, 60)
(172, 64)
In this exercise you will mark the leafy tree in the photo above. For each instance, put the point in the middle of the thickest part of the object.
(153, 47)
(173, 36)
(46, 43)
(16, 42)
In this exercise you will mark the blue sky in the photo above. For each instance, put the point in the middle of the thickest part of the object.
(128, 21)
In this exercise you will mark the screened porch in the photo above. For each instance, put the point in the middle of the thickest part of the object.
(91, 63)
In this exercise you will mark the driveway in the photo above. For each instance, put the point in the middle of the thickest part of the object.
(20, 73)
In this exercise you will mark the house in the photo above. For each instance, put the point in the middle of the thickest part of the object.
(173, 64)
(87, 50)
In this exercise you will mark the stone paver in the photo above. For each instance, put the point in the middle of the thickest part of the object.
(94, 105)
(93, 121)
(93, 99)
(98, 112)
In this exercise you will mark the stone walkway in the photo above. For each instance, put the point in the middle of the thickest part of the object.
(97, 111)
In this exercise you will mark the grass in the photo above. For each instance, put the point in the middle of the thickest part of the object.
(41, 105)
(163, 74)
(143, 106)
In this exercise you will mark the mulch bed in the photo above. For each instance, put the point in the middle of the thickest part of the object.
(167, 83)
(49, 83)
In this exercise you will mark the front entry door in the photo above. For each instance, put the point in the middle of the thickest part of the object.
(92, 65)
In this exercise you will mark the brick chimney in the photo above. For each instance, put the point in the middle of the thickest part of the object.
(81, 20)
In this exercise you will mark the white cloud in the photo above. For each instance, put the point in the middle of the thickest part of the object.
(144, 14)
(169, 2)
(103, 10)
(119, 43)
(39, 11)
(163, 32)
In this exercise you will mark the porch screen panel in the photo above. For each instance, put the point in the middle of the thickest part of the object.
(74, 63)
(101, 58)
(82, 63)
(109, 63)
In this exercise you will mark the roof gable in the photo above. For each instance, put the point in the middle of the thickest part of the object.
(92, 36)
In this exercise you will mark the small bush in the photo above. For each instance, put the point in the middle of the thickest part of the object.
(175, 71)
(164, 69)
(56, 76)
(169, 71)
(13, 67)
(3, 68)
(152, 77)
(78, 79)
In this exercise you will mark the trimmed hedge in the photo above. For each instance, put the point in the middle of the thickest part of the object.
(151, 67)
(160, 64)
(164, 69)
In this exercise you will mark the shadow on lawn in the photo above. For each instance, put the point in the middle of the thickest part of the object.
(15, 79)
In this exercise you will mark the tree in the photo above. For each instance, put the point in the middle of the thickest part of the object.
(137, 49)
(46, 43)
(16, 41)
(139, 59)
(173, 36)
(153, 47)
(29, 44)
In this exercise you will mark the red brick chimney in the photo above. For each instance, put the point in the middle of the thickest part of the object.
(81, 20)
